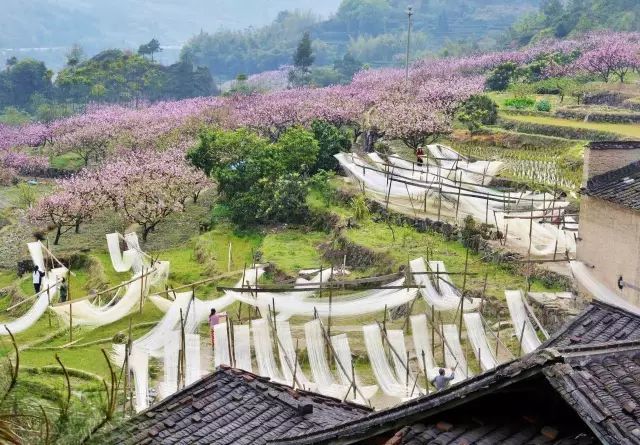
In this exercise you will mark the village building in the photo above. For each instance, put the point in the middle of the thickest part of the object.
(231, 406)
(609, 233)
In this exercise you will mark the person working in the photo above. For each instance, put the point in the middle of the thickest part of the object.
(214, 319)
(64, 290)
(37, 278)
(441, 381)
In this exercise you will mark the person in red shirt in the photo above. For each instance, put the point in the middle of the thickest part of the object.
(420, 155)
(214, 319)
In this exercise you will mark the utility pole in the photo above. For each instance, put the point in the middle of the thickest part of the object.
(409, 15)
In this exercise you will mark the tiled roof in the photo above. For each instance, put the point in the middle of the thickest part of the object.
(603, 387)
(515, 430)
(614, 145)
(598, 323)
(232, 406)
(620, 186)
(600, 385)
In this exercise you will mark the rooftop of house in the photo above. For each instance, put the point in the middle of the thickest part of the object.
(599, 385)
(599, 323)
(231, 406)
(621, 186)
(614, 145)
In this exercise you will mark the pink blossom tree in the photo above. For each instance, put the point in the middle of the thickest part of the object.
(146, 186)
(610, 54)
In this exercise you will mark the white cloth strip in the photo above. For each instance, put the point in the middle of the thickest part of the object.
(528, 337)
(453, 354)
(242, 347)
(221, 348)
(264, 351)
(478, 339)
(385, 376)
(287, 354)
(192, 358)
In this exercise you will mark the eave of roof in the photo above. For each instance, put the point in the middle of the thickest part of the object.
(621, 186)
(413, 410)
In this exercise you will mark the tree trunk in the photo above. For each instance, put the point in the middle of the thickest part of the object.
(58, 233)
(145, 233)
(78, 226)
(370, 138)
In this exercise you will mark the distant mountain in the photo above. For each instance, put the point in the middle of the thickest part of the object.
(99, 24)
(374, 31)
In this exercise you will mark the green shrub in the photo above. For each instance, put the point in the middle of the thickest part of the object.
(478, 110)
(360, 207)
(520, 103)
(543, 105)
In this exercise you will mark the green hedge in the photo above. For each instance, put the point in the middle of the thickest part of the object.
(612, 117)
(559, 131)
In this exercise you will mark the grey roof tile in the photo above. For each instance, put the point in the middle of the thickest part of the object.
(231, 407)
(620, 186)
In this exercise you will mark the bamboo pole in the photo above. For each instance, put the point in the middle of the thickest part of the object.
(464, 289)
(520, 339)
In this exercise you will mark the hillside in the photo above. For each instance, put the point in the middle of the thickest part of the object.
(563, 19)
(374, 31)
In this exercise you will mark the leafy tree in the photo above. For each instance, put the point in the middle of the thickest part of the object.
(218, 149)
(23, 79)
(478, 110)
(75, 56)
(347, 66)
(150, 48)
(302, 60)
(331, 140)
(298, 150)
(501, 76)
(261, 181)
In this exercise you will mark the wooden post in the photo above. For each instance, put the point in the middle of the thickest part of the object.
(486, 212)
(141, 288)
(442, 337)
(353, 378)
(484, 291)
(70, 322)
(384, 320)
(464, 289)
(458, 200)
(424, 370)
(406, 378)
(126, 378)
(530, 234)
(506, 232)
(520, 340)
(228, 323)
(295, 367)
(433, 330)
(330, 302)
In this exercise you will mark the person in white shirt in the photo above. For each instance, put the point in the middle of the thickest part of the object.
(37, 278)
